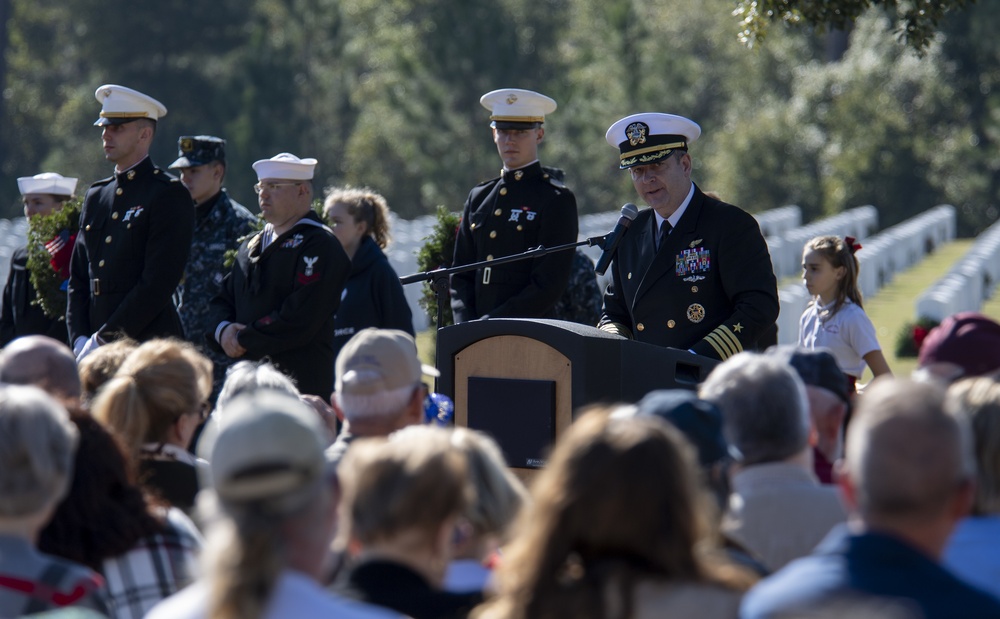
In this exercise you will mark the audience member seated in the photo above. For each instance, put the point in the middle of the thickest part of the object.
(973, 552)
(965, 344)
(271, 500)
(829, 403)
(499, 496)
(908, 478)
(401, 512)
(154, 403)
(101, 365)
(45, 363)
(378, 386)
(777, 509)
(37, 443)
(144, 551)
(617, 526)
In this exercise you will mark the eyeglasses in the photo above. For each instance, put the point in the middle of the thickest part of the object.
(260, 188)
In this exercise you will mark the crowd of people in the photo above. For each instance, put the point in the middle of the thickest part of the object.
(232, 423)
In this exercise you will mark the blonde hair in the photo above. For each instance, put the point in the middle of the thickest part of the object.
(838, 253)
(414, 482)
(156, 384)
(363, 204)
(499, 495)
(98, 367)
(978, 401)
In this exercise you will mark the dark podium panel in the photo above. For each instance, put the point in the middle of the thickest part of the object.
(517, 378)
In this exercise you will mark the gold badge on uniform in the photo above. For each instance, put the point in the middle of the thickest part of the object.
(696, 312)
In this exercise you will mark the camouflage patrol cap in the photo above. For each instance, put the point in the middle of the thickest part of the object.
(195, 150)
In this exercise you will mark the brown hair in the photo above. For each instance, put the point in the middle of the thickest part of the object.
(838, 253)
(978, 401)
(156, 384)
(365, 205)
(619, 502)
(99, 366)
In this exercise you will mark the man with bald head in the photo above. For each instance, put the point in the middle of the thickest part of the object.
(908, 478)
(44, 362)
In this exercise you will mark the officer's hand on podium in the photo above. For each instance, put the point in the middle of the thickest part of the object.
(617, 328)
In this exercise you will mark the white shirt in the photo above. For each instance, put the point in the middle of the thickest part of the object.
(849, 334)
(294, 595)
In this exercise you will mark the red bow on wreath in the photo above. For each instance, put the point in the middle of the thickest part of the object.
(852, 243)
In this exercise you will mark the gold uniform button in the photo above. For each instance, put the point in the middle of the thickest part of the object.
(694, 289)
(497, 212)
(107, 240)
(118, 191)
(101, 263)
(640, 326)
(489, 257)
(493, 234)
(472, 226)
(503, 191)
(87, 228)
(520, 227)
(114, 215)
(630, 276)
(671, 324)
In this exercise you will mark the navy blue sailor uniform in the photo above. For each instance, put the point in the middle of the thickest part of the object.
(511, 214)
(287, 295)
(19, 313)
(710, 288)
(134, 241)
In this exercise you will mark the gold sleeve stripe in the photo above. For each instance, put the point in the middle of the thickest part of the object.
(729, 336)
(721, 346)
(722, 354)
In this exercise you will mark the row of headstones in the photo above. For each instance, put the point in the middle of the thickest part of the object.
(882, 256)
(969, 283)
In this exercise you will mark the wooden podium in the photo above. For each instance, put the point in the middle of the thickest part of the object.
(520, 380)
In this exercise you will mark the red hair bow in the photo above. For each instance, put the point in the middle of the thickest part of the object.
(852, 243)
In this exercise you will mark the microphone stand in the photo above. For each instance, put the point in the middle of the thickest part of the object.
(440, 278)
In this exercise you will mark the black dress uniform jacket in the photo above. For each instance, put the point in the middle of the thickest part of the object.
(287, 295)
(508, 215)
(19, 316)
(134, 240)
(373, 297)
(710, 288)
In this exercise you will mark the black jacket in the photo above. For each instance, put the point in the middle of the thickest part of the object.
(373, 297)
(134, 240)
(518, 211)
(18, 316)
(711, 288)
(395, 586)
(287, 295)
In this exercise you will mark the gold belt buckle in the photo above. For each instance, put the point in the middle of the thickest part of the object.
(486, 276)
(95, 287)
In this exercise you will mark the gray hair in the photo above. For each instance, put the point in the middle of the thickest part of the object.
(249, 376)
(905, 455)
(381, 406)
(764, 407)
(977, 401)
(37, 445)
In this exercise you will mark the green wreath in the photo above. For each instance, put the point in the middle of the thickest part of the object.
(50, 240)
(437, 252)
(911, 336)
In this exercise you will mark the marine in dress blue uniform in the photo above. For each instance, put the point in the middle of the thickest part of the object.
(280, 298)
(526, 206)
(135, 234)
(704, 282)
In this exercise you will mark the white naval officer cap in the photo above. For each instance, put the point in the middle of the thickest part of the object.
(47, 182)
(649, 137)
(286, 166)
(121, 105)
(514, 108)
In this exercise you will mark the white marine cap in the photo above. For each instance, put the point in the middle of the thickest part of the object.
(47, 182)
(648, 137)
(514, 108)
(285, 165)
(120, 105)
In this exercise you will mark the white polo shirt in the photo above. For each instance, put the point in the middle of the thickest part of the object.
(848, 334)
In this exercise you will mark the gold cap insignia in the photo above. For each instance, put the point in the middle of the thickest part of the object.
(187, 145)
(511, 99)
(636, 133)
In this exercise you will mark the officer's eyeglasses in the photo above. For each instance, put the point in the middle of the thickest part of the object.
(260, 188)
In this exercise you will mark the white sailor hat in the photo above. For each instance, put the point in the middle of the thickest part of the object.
(648, 137)
(286, 166)
(514, 108)
(47, 182)
(121, 105)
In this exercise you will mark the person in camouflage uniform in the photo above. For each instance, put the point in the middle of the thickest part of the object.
(582, 300)
(220, 223)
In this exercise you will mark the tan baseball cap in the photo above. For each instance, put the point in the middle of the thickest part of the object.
(379, 360)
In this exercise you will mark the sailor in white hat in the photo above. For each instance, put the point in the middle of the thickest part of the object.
(280, 296)
(20, 311)
(691, 272)
(135, 233)
(526, 206)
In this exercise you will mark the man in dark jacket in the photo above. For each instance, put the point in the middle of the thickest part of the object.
(281, 295)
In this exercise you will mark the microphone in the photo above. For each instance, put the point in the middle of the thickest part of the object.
(629, 211)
